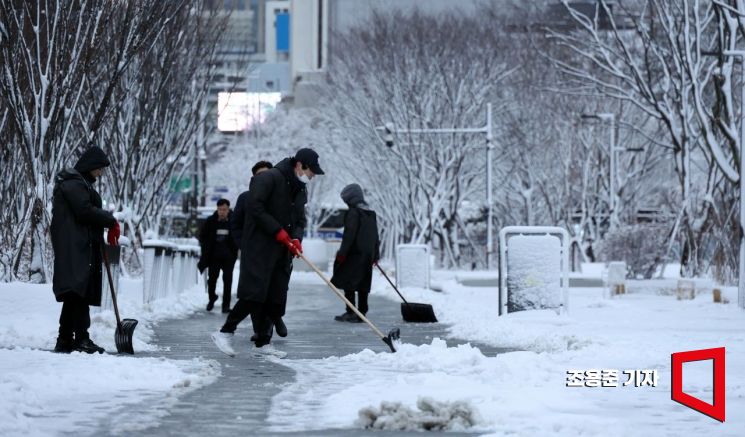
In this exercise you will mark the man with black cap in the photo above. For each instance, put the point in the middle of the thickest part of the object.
(274, 223)
(77, 241)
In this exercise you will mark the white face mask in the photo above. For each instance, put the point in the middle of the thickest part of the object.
(304, 178)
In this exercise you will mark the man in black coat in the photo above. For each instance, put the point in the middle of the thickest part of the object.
(359, 251)
(219, 253)
(236, 229)
(274, 223)
(77, 241)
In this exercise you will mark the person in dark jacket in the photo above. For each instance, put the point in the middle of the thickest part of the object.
(274, 223)
(219, 253)
(236, 230)
(236, 222)
(359, 251)
(77, 240)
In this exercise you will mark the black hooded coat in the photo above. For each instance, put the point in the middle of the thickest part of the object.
(77, 229)
(360, 245)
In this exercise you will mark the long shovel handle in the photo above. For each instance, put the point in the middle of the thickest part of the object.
(111, 285)
(391, 282)
(341, 296)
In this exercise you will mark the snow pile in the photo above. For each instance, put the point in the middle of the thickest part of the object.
(43, 393)
(443, 382)
(29, 314)
(431, 415)
(635, 331)
(47, 394)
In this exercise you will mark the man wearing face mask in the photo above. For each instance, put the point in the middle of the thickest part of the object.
(273, 228)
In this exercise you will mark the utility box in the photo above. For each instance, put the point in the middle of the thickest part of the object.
(412, 265)
(533, 268)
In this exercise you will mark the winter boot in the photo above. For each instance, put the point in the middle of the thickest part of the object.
(64, 345)
(86, 345)
(211, 303)
(223, 341)
(347, 316)
(279, 326)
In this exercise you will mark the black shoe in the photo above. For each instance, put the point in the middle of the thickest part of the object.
(64, 345)
(254, 337)
(347, 317)
(88, 346)
(279, 326)
(225, 310)
(211, 303)
(262, 341)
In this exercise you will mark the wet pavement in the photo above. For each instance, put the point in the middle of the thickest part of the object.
(239, 401)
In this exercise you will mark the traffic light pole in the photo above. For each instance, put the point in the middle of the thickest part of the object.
(389, 129)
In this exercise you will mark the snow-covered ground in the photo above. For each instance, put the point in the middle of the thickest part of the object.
(524, 392)
(43, 393)
(433, 386)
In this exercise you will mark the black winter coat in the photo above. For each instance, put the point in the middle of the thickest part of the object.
(77, 230)
(276, 200)
(237, 220)
(208, 241)
(361, 247)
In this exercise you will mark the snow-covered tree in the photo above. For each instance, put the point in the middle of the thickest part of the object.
(653, 55)
(62, 78)
(415, 71)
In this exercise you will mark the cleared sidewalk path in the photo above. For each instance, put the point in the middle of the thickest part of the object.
(238, 402)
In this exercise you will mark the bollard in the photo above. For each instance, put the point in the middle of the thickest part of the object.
(157, 270)
(686, 289)
(616, 278)
(717, 293)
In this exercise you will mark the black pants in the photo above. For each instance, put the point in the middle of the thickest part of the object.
(75, 317)
(260, 318)
(361, 304)
(226, 265)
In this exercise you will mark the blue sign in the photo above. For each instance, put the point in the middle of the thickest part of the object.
(282, 27)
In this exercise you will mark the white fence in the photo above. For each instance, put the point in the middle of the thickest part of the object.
(169, 267)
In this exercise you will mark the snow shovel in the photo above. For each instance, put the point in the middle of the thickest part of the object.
(124, 328)
(412, 312)
(393, 334)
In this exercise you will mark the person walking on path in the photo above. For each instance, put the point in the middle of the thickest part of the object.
(236, 228)
(219, 253)
(272, 233)
(77, 241)
(358, 253)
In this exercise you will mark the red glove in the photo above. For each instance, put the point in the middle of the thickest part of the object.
(340, 258)
(298, 246)
(284, 238)
(113, 235)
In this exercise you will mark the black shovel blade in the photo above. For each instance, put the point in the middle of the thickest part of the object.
(393, 334)
(123, 336)
(418, 313)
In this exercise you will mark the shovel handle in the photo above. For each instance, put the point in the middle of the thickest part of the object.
(391, 282)
(341, 296)
(111, 284)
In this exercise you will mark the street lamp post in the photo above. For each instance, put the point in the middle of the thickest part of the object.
(390, 129)
(741, 273)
